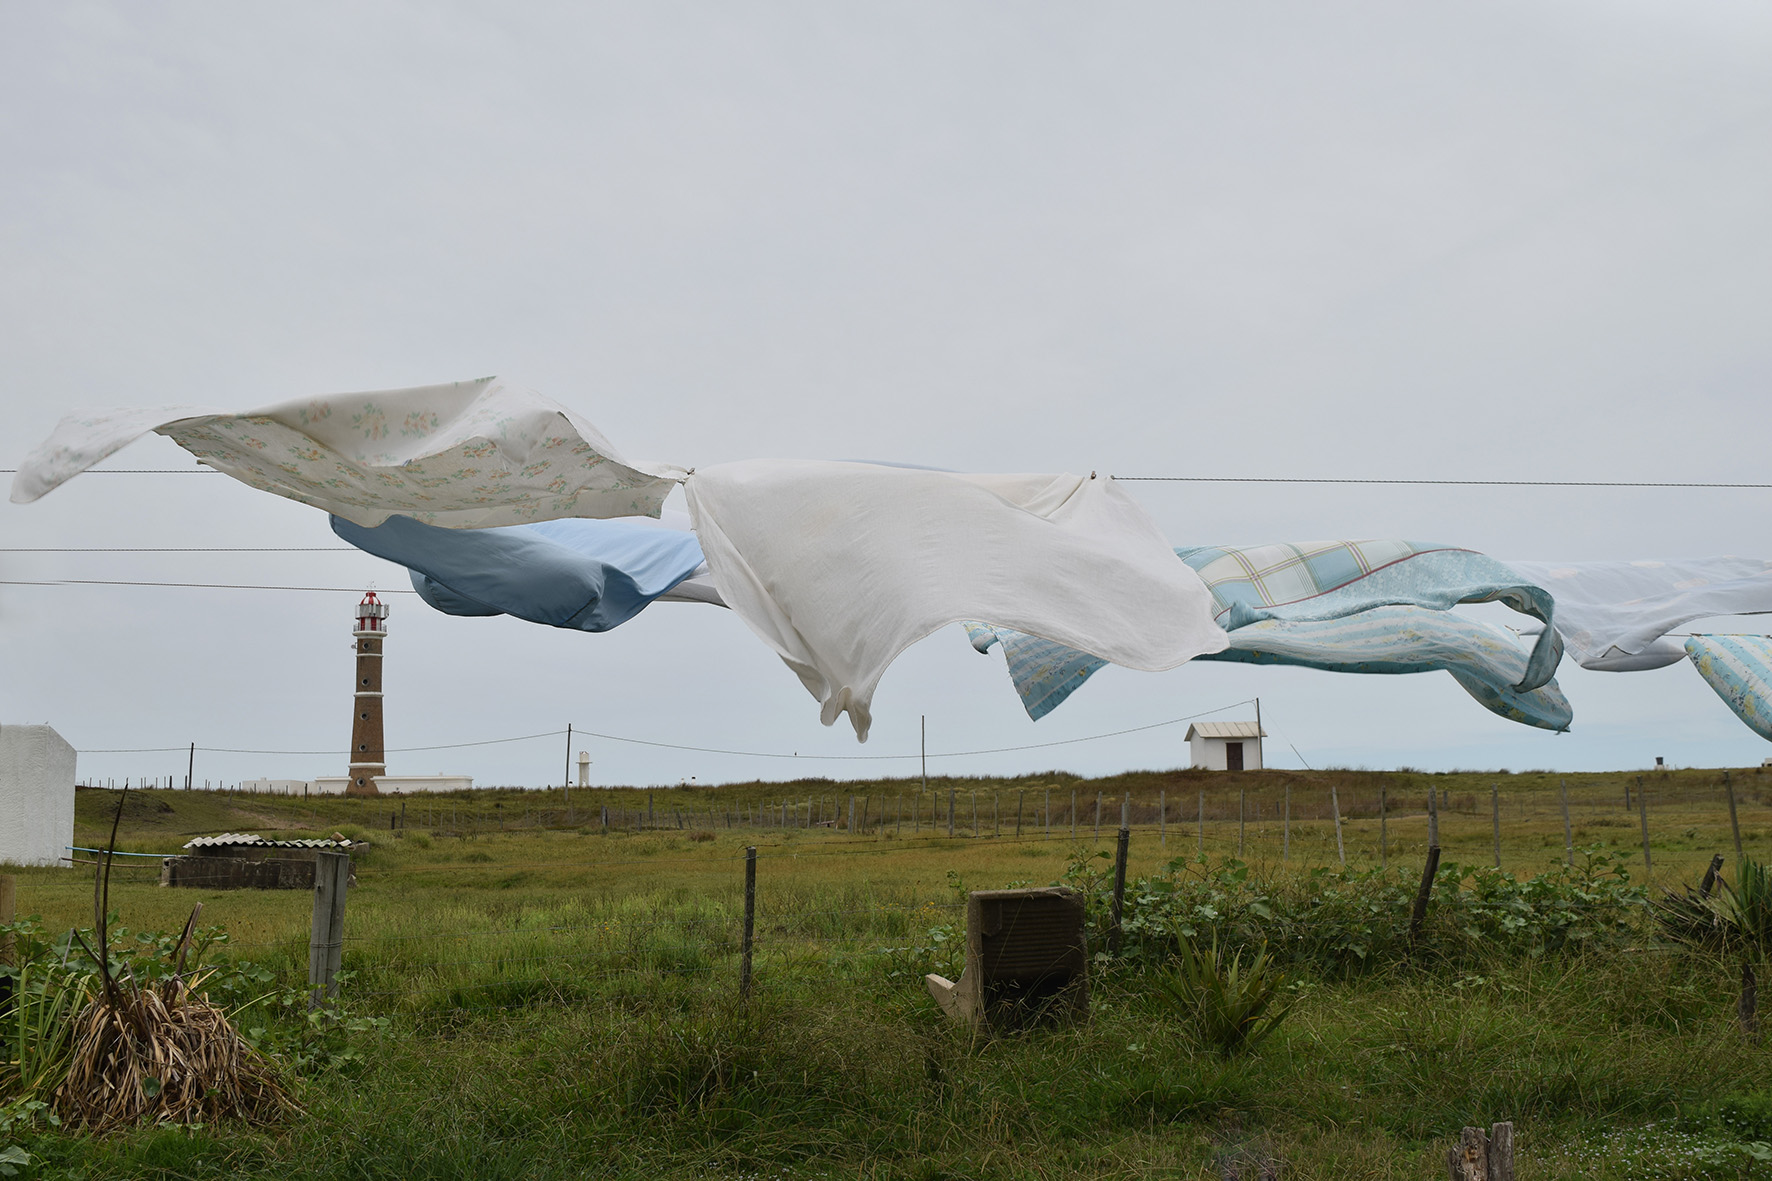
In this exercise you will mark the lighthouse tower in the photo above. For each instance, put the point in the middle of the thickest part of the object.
(368, 759)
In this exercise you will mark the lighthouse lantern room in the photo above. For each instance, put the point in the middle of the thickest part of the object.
(368, 758)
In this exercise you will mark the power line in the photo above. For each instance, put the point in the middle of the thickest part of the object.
(1440, 483)
(393, 750)
(207, 471)
(183, 549)
(344, 590)
(752, 754)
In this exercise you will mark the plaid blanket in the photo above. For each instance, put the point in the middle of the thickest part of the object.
(1331, 579)
(1739, 668)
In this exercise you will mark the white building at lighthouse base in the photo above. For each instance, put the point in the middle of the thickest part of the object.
(397, 785)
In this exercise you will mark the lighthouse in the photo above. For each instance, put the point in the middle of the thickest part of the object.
(368, 758)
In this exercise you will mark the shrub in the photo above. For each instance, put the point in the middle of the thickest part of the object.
(1340, 921)
(1229, 1005)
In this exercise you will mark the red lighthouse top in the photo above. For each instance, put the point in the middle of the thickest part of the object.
(371, 615)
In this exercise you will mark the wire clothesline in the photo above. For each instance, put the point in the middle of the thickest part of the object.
(154, 471)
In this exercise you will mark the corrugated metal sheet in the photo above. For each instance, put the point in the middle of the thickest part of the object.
(253, 840)
(1225, 730)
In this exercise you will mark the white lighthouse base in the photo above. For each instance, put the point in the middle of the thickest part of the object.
(398, 785)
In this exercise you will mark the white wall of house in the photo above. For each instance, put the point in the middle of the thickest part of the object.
(1212, 755)
(36, 796)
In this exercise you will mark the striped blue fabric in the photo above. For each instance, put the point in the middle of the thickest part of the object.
(1484, 660)
(1739, 668)
(1344, 606)
(1331, 579)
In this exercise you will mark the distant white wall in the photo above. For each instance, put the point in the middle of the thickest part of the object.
(277, 787)
(36, 796)
(407, 784)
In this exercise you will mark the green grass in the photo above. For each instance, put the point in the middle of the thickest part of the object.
(563, 1002)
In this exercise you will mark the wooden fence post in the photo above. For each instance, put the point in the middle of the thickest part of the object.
(1709, 882)
(1021, 797)
(326, 938)
(1734, 821)
(750, 920)
(1418, 915)
(950, 811)
(1568, 836)
(1286, 828)
(1202, 824)
(8, 901)
(1495, 818)
(1483, 1157)
(1120, 851)
(1335, 806)
(1098, 818)
(1163, 819)
(1073, 815)
(1433, 821)
(1242, 811)
(1643, 815)
(1384, 843)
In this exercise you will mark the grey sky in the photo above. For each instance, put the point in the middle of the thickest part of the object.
(1483, 240)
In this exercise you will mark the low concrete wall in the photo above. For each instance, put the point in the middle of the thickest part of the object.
(238, 873)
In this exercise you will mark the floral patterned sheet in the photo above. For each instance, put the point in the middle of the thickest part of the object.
(1739, 668)
(465, 455)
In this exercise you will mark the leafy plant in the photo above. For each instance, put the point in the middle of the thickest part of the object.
(1230, 1005)
(37, 1027)
(1734, 917)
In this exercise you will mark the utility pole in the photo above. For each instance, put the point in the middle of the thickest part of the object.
(566, 776)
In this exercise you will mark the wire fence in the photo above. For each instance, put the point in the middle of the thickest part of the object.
(644, 892)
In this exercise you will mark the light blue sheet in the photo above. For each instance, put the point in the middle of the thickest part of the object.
(588, 575)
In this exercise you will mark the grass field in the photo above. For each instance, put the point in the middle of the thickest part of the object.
(562, 1000)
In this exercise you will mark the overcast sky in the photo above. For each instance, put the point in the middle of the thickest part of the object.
(1480, 241)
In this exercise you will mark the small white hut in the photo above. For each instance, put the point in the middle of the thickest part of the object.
(1225, 746)
(36, 796)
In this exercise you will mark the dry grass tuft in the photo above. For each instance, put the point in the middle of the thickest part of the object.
(158, 1049)
(162, 1052)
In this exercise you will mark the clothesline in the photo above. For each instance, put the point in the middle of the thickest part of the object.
(206, 471)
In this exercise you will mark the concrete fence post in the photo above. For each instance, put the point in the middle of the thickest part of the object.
(326, 940)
